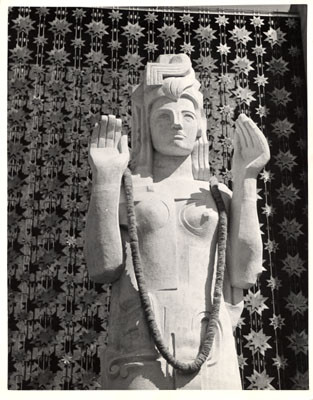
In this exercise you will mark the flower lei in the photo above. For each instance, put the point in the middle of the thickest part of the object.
(194, 366)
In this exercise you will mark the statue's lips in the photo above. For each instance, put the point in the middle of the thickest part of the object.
(179, 136)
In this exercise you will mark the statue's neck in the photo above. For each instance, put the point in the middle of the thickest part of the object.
(173, 167)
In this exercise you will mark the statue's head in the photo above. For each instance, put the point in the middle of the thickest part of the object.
(167, 110)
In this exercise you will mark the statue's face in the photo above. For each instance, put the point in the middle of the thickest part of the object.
(173, 126)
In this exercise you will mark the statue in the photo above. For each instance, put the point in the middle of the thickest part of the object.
(172, 319)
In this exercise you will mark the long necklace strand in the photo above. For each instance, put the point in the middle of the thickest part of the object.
(194, 366)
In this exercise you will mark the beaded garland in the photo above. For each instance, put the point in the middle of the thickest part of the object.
(194, 366)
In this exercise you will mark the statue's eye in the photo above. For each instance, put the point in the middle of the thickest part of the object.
(189, 117)
(163, 117)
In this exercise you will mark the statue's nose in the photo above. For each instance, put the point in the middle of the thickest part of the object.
(177, 122)
(177, 126)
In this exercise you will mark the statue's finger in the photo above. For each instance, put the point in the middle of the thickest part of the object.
(194, 159)
(117, 133)
(110, 131)
(206, 153)
(237, 142)
(240, 135)
(242, 121)
(102, 132)
(258, 137)
(206, 172)
(124, 144)
(94, 136)
(204, 157)
(201, 158)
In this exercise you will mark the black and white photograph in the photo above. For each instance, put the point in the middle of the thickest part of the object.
(157, 197)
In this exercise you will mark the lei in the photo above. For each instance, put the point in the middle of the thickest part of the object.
(195, 365)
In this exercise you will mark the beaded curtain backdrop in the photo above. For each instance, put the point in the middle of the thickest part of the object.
(67, 66)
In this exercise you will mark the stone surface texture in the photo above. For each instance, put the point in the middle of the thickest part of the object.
(177, 223)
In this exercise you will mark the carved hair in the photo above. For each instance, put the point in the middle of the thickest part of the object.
(171, 76)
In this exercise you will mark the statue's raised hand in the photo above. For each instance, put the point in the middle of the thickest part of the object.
(251, 151)
(200, 160)
(108, 151)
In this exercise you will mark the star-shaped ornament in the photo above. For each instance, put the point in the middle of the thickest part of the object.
(151, 46)
(275, 36)
(291, 23)
(227, 110)
(268, 210)
(294, 51)
(151, 17)
(206, 63)
(226, 79)
(242, 361)
(260, 80)
(280, 96)
(257, 342)
(260, 381)
(299, 111)
(205, 33)
(186, 19)
(280, 362)
(187, 48)
(258, 50)
(277, 321)
(133, 31)
(297, 81)
(115, 15)
(285, 161)
(274, 283)
(293, 265)
(262, 111)
(169, 32)
(271, 246)
(277, 66)
(267, 176)
(257, 21)
(297, 303)
(298, 342)
(242, 64)
(114, 44)
(283, 128)
(222, 20)
(240, 35)
(223, 49)
(241, 322)
(245, 95)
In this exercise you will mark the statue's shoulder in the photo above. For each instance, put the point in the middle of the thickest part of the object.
(207, 186)
(225, 190)
(151, 205)
(226, 194)
(140, 186)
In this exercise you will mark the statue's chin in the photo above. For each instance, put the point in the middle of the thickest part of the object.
(178, 148)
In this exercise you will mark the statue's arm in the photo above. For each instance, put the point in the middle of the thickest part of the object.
(103, 247)
(251, 153)
(108, 157)
(245, 244)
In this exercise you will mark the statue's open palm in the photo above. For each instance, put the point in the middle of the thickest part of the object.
(251, 151)
(108, 151)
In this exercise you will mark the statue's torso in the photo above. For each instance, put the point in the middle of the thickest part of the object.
(178, 235)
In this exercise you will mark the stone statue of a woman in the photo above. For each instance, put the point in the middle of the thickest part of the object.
(177, 229)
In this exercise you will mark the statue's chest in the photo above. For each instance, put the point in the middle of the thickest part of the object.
(195, 217)
(176, 235)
